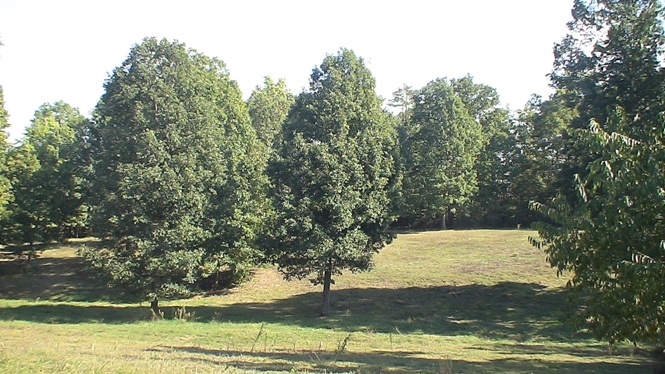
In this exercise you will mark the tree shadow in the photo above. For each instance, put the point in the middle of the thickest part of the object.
(516, 311)
(58, 279)
(402, 362)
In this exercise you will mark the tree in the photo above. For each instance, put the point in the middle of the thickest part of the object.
(611, 238)
(56, 135)
(488, 205)
(609, 234)
(333, 176)
(610, 59)
(178, 171)
(47, 203)
(26, 220)
(268, 107)
(5, 187)
(440, 154)
(523, 162)
(403, 101)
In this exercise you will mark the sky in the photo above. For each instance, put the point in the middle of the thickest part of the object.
(66, 49)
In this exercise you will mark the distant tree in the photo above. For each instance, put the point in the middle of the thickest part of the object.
(538, 155)
(268, 107)
(56, 134)
(403, 101)
(439, 155)
(25, 221)
(333, 175)
(179, 173)
(5, 187)
(488, 206)
(47, 203)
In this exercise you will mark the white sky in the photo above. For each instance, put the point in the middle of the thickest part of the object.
(65, 49)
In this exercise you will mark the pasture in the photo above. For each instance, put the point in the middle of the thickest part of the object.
(478, 301)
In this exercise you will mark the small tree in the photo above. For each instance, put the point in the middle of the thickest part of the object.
(333, 176)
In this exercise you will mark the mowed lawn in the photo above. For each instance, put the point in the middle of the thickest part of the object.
(477, 301)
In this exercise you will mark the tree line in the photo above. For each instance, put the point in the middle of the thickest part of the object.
(189, 186)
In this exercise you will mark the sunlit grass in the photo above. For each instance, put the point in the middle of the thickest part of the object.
(477, 301)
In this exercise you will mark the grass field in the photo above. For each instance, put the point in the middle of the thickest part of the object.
(476, 301)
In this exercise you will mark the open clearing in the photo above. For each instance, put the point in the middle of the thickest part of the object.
(478, 301)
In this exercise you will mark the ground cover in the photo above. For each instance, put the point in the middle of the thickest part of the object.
(479, 301)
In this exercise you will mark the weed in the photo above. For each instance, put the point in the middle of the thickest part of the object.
(258, 336)
(341, 347)
(181, 314)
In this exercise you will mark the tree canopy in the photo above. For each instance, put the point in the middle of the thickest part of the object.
(333, 175)
(178, 173)
(268, 107)
(609, 234)
(47, 199)
(439, 153)
(5, 193)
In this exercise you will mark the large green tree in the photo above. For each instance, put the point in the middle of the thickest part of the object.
(179, 173)
(268, 107)
(333, 175)
(611, 238)
(610, 58)
(609, 233)
(439, 154)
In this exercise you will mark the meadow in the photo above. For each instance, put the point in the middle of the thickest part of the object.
(477, 301)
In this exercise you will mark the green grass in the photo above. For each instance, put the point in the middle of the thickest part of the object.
(477, 301)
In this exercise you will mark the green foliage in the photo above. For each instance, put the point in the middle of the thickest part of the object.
(612, 239)
(522, 163)
(268, 107)
(607, 224)
(47, 198)
(5, 192)
(490, 205)
(178, 172)
(611, 58)
(403, 101)
(333, 175)
(439, 153)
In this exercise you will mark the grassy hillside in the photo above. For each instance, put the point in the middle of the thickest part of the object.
(441, 302)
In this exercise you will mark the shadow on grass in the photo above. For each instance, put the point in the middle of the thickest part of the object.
(516, 311)
(378, 361)
(57, 279)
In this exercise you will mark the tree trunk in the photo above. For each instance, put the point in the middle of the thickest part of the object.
(444, 216)
(154, 308)
(327, 277)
